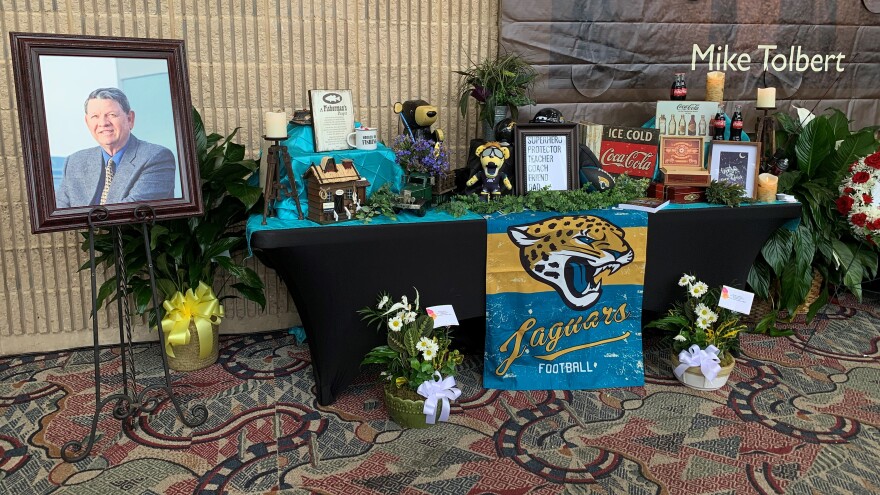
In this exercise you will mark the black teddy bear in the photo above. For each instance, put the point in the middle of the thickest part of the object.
(418, 117)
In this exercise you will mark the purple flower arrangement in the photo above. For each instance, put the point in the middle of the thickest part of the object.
(421, 155)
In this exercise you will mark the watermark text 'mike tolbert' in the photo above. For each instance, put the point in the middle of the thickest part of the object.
(721, 58)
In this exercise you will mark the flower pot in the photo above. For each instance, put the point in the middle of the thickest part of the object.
(693, 376)
(405, 411)
(489, 130)
(186, 357)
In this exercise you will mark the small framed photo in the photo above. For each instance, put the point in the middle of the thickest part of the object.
(681, 152)
(105, 122)
(332, 117)
(736, 162)
(546, 156)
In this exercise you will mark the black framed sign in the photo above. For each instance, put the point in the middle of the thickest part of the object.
(117, 135)
(546, 156)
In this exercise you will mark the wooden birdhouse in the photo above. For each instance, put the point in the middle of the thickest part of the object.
(334, 192)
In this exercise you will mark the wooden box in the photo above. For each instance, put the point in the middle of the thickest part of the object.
(686, 194)
(677, 194)
(684, 176)
(681, 161)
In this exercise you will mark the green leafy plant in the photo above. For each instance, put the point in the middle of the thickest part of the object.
(820, 152)
(725, 193)
(415, 349)
(192, 250)
(625, 189)
(381, 203)
(505, 80)
(699, 320)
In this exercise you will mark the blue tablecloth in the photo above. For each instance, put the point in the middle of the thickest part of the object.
(377, 166)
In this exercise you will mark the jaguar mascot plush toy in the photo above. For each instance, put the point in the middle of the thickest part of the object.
(418, 117)
(492, 156)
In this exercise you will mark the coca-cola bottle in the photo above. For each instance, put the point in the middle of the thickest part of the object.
(779, 166)
(692, 126)
(661, 123)
(679, 89)
(672, 129)
(736, 124)
(719, 124)
(701, 129)
(682, 128)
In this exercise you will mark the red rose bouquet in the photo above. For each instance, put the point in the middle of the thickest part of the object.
(859, 197)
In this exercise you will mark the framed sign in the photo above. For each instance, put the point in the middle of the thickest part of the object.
(623, 150)
(681, 152)
(332, 117)
(81, 146)
(686, 118)
(736, 162)
(546, 156)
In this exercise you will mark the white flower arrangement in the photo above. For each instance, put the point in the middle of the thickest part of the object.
(416, 349)
(698, 320)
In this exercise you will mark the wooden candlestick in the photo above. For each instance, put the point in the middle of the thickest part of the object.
(273, 190)
(766, 135)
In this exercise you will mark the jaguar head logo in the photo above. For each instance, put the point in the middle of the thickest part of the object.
(571, 254)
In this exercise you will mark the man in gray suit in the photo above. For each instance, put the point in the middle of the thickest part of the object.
(122, 168)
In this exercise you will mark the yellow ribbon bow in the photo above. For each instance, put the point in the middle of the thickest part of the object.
(200, 307)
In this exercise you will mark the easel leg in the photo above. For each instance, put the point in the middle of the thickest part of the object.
(129, 403)
(199, 412)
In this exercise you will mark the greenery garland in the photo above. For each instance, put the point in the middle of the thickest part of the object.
(625, 189)
(726, 193)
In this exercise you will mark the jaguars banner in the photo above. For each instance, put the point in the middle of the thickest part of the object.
(564, 300)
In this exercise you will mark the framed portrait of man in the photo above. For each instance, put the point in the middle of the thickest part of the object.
(106, 127)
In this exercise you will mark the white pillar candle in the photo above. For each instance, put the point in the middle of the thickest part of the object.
(276, 125)
(715, 86)
(766, 98)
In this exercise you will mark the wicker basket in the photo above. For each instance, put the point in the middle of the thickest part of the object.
(762, 307)
(693, 376)
(186, 357)
(812, 294)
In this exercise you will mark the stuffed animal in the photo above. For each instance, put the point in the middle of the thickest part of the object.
(418, 117)
(492, 156)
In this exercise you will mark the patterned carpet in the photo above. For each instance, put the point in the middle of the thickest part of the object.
(793, 419)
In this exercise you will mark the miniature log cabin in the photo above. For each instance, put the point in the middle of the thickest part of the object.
(334, 192)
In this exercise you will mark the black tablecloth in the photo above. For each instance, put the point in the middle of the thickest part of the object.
(331, 272)
(717, 245)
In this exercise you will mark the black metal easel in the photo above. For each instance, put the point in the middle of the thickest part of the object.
(131, 401)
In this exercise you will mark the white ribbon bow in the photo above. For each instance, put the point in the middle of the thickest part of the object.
(435, 390)
(707, 360)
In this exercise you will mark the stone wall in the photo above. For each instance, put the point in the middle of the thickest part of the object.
(244, 58)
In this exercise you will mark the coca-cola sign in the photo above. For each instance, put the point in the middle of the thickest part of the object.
(629, 150)
(685, 107)
(633, 160)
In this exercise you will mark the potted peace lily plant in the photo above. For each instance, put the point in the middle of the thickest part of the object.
(192, 256)
(704, 336)
(419, 365)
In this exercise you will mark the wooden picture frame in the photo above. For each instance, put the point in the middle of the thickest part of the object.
(546, 155)
(727, 164)
(68, 124)
(332, 118)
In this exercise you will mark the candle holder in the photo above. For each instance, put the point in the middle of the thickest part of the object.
(766, 135)
(273, 190)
